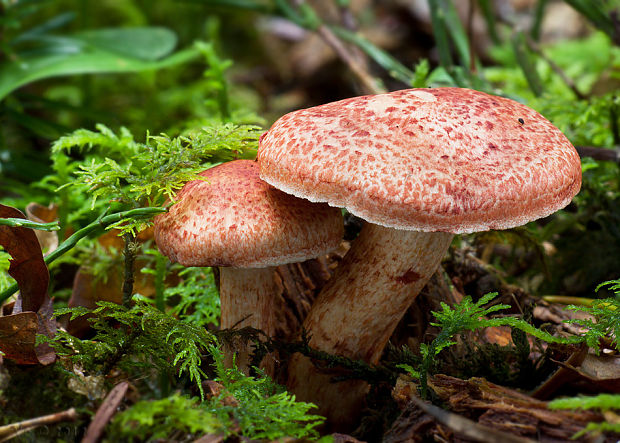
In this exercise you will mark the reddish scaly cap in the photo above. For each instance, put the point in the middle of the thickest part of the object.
(445, 159)
(236, 219)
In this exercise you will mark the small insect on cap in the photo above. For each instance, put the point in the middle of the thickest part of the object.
(445, 159)
(233, 218)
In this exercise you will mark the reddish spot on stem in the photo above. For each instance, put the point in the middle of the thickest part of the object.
(408, 277)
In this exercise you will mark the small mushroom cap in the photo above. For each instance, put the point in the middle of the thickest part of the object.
(445, 159)
(233, 218)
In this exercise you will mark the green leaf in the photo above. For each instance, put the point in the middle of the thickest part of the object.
(440, 32)
(539, 13)
(20, 222)
(95, 52)
(54, 23)
(456, 31)
(486, 9)
(147, 44)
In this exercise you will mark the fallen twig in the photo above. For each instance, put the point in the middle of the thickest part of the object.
(13, 430)
(604, 154)
(370, 84)
(105, 412)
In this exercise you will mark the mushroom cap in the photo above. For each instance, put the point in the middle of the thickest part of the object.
(233, 218)
(446, 159)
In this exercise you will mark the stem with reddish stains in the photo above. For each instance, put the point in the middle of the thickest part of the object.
(359, 308)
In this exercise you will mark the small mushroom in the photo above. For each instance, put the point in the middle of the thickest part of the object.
(238, 222)
(418, 165)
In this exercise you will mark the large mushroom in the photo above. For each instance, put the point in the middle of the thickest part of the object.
(418, 165)
(236, 221)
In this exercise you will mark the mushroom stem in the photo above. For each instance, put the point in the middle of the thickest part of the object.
(246, 298)
(359, 308)
(357, 311)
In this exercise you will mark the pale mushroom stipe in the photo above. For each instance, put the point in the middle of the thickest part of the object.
(238, 222)
(419, 165)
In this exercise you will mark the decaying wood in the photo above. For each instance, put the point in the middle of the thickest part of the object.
(462, 426)
(214, 389)
(298, 284)
(413, 425)
(218, 438)
(105, 412)
(494, 406)
(507, 409)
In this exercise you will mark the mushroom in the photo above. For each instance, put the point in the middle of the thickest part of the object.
(236, 221)
(418, 165)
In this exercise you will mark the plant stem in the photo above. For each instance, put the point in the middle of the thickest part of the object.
(24, 223)
(98, 225)
(613, 121)
(160, 276)
(539, 13)
(522, 53)
(130, 336)
(396, 69)
(534, 47)
(130, 258)
(306, 17)
(369, 83)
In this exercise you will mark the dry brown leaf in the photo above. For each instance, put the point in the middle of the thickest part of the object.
(32, 311)
(602, 371)
(26, 266)
(17, 337)
(18, 333)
